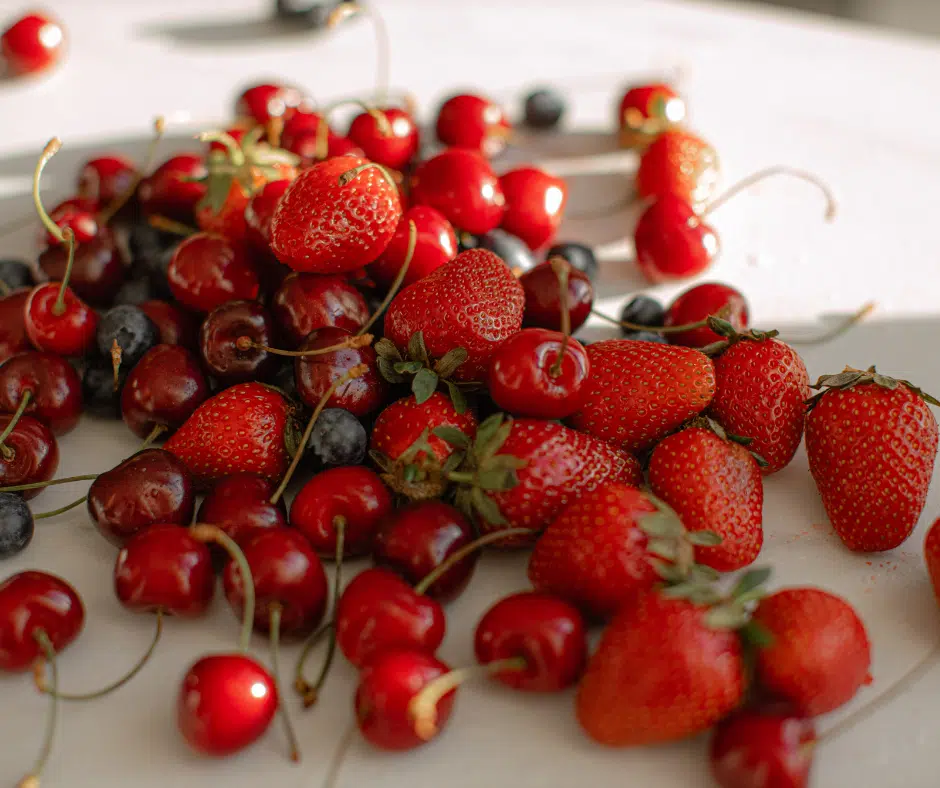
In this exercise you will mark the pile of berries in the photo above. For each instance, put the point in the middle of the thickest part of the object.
(393, 332)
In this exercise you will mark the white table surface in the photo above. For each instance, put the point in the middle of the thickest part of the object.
(854, 105)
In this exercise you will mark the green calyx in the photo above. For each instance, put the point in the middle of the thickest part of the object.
(850, 377)
(730, 335)
(674, 547)
(708, 423)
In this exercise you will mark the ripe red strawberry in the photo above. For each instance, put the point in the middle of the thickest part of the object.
(248, 428)
(338, 215)
(932, 557)
(714, 485)
(473, 302)
(679, 163)
(871, 442)
(640, 391)
(761, 388)
(818, 655)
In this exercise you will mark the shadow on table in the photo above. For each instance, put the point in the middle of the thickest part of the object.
(223, 31)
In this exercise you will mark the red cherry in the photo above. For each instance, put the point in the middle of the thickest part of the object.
(174, 188)
(237, 133)
(395, 148)
(258, 104)
(260, 210)
(69, 331)
(163, 389)
(418, 538)
(698, 303)
(543, 297)
(81, 221)
(353, 494)
(97, 272)
(468, 121)
(208, 270)
(547, 632)
(106, 178)
(302, 120)
(224, 357)
(32, 44)
(30, 453)
(763, 748)
(462, 186)
(33, 603)
(53, 384)
(176, 327)
(226, 703)
(387, 687)
(535, 205)
(672, 241)
(240, 505)
(164, 568)
(305, 302)
(680, 164)
(646, 111)
(13, 337)
(436, 244)
(343, 146)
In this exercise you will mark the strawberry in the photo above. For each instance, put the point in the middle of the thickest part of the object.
(640, 391)
(818, 655)
(473, 302)
(336, 216)
(932, 557)
(713, 484)
(679, 163)
(871, 442)
(248, 428)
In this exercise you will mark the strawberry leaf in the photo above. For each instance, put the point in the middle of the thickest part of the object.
(662, 526)
(424, 385)
(494, 444)
(408, 367)
(417, 350)
(451, 435)
(757, 635)
(507, 461)
(704, 595)
(452, 463)
(704, 538)
(387, 370)
(385, 348)
(700, 573)
(218, 186)
(486, 507)
(457, 398)
(750, 581)
(664, 548)
(921, 393)
(497, 479)
(410, 473)
(668, 572)
(448, 363)
(726, 617)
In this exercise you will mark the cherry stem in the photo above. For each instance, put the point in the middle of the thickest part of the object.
(275, 635)
(8, 453)
(721, 313)
(399, 277)
(301, 685)
(32, 780)
(61, 510)
(88, 477)
(339, 755)
(236, 155)
(352, 343)
(422, 708)
(770, 172)
(211, 533)
(382, 50)
(837, 331)
(116, 354)
(561, 268)
(459, 555)
(273, 130)
(159, 126)
(39, 675)
(170, 226)
(357, 371)
(4, 288)
(349, 175)
(58, 308)
(52, 147)
(385, 128)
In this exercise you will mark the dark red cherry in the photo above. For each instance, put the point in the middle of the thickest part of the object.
(380, 612)
(164, 568)
(174, 188)
(13, 337)
(672, 241)
(32, 44)
(547, 632)
(163, 388)
(258, 104)
(418, 538)
(435, 244)
(240, 505)
(468, 121)
(208, 270)
(535, 205)
(69, 331)
(305, 302)
(696, 304)
(29, 454)
(81, 221)
(460, 184)
(396, 147)
(286, 572)
(106, 178)
(226, 703)
(31, 603)
(223, 348)
(176, 326)
(302, 121)
(543, 297)
(97, 273)
(353, 495)
(150, 487)
(53, 384)
(343, 146)
(260, 211)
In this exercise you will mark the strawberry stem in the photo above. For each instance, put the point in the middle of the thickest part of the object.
(275, 635)
(351, 343)
(561, 268)
(159, 125)
(459, 555)
(349, 175)
(770, 172)
(8, 453)
(32, 779)
(236, 155)
(382, 48)
(167, 225)
(399, 277)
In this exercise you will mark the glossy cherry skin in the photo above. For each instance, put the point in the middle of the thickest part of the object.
(240, 505)
(302, 121)
(353, 493)
(286, 572)
(260, 211)
(150, 487)
(258, 104)
(305, 142)
(645, 112)
(97, 273)
(547, 632)
(226, 703)
(435, 244)
(163, 388)
(763, 748)
(35, 454)
(176, 327)
(681, 164)
(32, 44)
(521, 377)
(106, 178)
(81, 221)
(71, 333)
(396, 149)
(33, 602)
(305, 302)
(699, 302)
(227, 360)
(672, 242)
(164, 568)
(315, 374)
(174, 188)
(418, 538)
(468, 121)
(208, 270)
(535, 205)
(543, 298)
(13, 337)
(54, 386)
(461, 185)
(380, 612)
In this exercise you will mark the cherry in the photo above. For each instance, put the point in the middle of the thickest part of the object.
(16, 525)
(34, 43)
(150, 487)
(435, 245)
(54, 388)
(418, 538)
(392, 144)
(174, 188)
(163, 568)
(305, 302)
(29, 453)
(240, 505)
(535, 205)
(176, 327)
(696, 304)
(543, 109)
(258, 104)
(106, 178)
(680, 164)
(645, 112)
(98, 271)
(260, 211)
(672, 242)
(81, 221)
(229, 360)
(469, 121)
(208, 270)
(163, 389)
(462, 186)
(543, 297)
(68, 330)
(13, 337)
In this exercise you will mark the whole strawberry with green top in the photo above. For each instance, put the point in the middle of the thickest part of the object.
(871, 441)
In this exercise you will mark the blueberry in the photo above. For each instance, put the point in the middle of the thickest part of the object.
(543, 109)
(578, 256)
(311, 13)
(134, 292)
(16, 525)
(647, 336)
(514, 251)
(467, 241)
(284, 379)
(134, 332)
(15, 274)
(151, 251)
(98, 392)
(643, 311)
(338, 438)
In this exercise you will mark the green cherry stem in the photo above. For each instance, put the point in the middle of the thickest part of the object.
(459, 555)
(167, 225)
(301, 685)
(32, 779)
(321, 149)
(36, 485)
(658, 329)
(399, 277)
(351, 343)
(562, 269)
(275, 636)
(772, 172)
(58, 308)
(235, 154)
(5, 450)
(159, 126)
(52, 147)
(61, 510)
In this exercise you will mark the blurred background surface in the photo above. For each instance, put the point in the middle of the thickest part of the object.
(918, 16)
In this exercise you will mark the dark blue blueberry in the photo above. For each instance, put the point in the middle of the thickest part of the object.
(134, 332)
(338, 438)
(285, 380)
(134, 292)
(642, 310)
(99, 393)
(514, 251)
(16, 525)
(647, 336)
(15, 274)
(151, 251)
(543, 109)
(578, 256)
